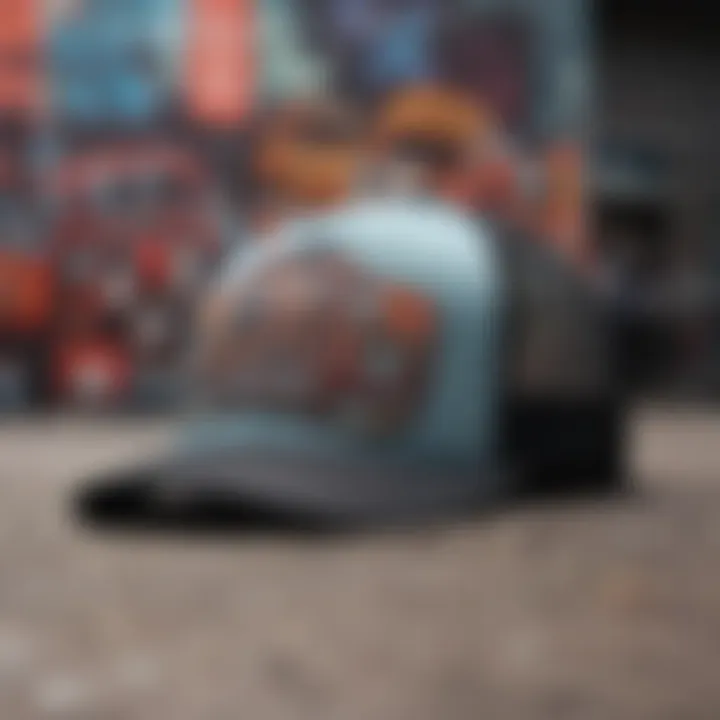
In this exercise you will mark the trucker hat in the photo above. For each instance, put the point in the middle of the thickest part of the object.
(349, 366)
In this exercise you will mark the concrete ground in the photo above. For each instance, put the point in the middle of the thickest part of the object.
(585, 610)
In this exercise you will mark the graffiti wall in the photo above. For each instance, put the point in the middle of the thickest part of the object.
(21, 44)
(522, 68)
(114, 62)
(171, 130)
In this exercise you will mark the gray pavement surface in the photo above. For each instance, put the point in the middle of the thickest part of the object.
(582, 610)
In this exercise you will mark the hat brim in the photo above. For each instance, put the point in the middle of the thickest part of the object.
(315, 489)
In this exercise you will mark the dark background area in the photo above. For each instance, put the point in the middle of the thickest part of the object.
(657, 183)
